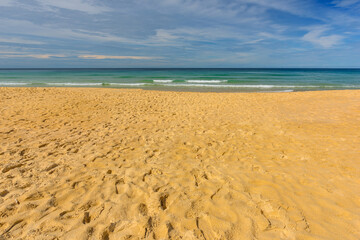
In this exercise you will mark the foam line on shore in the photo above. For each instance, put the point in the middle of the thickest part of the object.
(13, 83)
(205, 81)
(163, 81)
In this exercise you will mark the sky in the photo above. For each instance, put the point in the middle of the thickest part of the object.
(179, 33)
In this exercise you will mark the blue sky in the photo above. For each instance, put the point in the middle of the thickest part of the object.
(179, 33)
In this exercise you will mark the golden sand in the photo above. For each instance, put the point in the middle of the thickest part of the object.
(134, 164)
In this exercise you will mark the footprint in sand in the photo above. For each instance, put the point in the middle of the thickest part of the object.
(163, 199)
(143, 209)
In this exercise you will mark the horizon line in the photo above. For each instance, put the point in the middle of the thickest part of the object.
(180, 68)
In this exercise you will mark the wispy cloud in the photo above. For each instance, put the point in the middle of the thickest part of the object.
(221, 8)
(101, 57)
(318, 37)
(209, 34)
(37, 56)
(18, 41)
(345, 3)
(75, 5)
(24, 27)
(28, 54)
(290, 6)
(2, 52)
(161, 37)
(278, 37)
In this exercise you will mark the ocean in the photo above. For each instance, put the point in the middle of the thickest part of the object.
(189, 79)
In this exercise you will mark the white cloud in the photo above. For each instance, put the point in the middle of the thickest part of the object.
(198, 34)
(18, 41)
(26, 54)
(213, 10)
(221, 8)
(345, 3)
(278, 37)
(317, 37)
(38, 56)
(289, 6)
(23, 27)
(101, 57)
(8, 52)
(76, 5)
(161, 37)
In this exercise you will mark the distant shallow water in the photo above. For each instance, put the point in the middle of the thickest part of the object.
(219, 80)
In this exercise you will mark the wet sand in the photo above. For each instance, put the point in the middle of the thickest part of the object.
(132, 164)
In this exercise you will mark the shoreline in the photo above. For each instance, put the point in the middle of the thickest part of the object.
(79, 163)
(176, 91)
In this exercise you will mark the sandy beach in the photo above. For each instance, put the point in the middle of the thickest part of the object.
(81, 163)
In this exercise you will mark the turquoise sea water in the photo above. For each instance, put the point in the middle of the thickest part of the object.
(220, 80)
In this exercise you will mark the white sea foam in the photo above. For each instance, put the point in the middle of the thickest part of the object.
(13, 83)
(343, 86)
(205, 81)
(287, 90)
(74, 84)
(163, 80)
(128, 84)
(94, 84)
(233, 86)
